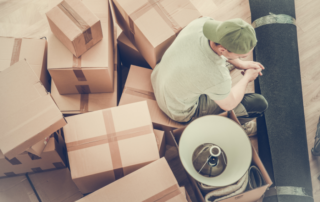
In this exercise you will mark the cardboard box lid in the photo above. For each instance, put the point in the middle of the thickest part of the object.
(15, 49)
(28, 113)
(16, 189)
(168, 17)
(80, 103)
(55, 185)
(152, 182)
(88, 135)
(99, 56)
(138, 87)
(70, 23)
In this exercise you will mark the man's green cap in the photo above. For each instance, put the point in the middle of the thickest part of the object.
(235, 35)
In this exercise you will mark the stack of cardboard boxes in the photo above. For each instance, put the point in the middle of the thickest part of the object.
(114, 153)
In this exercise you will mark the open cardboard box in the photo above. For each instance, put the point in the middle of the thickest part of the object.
(247, 196)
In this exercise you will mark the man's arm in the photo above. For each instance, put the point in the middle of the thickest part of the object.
(243, 65)
(237, 92)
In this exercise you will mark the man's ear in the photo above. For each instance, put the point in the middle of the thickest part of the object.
(222, 49)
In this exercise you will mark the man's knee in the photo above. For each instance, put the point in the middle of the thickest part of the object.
(260, 103)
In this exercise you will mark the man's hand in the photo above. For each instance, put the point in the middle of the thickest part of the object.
(251, 65)
(251, 74)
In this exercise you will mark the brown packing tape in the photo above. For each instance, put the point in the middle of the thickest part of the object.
(84, 103)
(156, 4)
(10, 174)
(83, 89)
(113, 145)
(140, 93)
(13, 161)
(103, 139)
(77, 20)
(76, 66)
(16, 51)
(165, 195)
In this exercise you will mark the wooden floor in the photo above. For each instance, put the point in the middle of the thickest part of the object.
(26, 18)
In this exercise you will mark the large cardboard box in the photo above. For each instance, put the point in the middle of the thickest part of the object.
(106, 145)
(81, 103)
(153, 25)
(76, 26)
(138, 87)
(34, 51)
(28, 113)
(154, 182)
(129, 54)
(47, 186)
(250, 195)
(51, 158)
(93, 71)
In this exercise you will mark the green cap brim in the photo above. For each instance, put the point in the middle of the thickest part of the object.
(210, 30)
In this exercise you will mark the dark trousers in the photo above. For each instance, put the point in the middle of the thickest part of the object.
(251, 106)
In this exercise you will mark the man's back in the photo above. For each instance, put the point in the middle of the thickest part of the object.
(188, 69)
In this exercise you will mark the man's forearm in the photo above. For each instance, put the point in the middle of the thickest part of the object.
(239, 90)
(236, 63)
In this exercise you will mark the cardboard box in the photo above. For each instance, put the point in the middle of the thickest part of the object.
(161, 141)
(33, 50)
(38, 148)
(252, 195)
(153, 25)
(17, 189)
(129, 54)
(51, 158)
(93, 71)
(106, 145)
(28, 113)
(54, 186)
(81, 103)
(138, 88)
(183, 190)
(154, 182)
(76, 26)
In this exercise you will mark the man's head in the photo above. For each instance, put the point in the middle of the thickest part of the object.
(235, 38)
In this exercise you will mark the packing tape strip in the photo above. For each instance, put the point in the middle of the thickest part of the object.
(84, 103)
(113, 145)
(83, 89)
(273, 19)
(165, 195)
(288, 190)
(140, 93)
(161, 11)
(16, 51)
(77, 20)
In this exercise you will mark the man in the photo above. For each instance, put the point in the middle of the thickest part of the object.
(192, 79)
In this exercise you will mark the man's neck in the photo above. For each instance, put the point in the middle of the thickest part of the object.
(214, 47)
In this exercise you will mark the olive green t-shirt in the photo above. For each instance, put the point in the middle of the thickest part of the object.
(188, 69)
